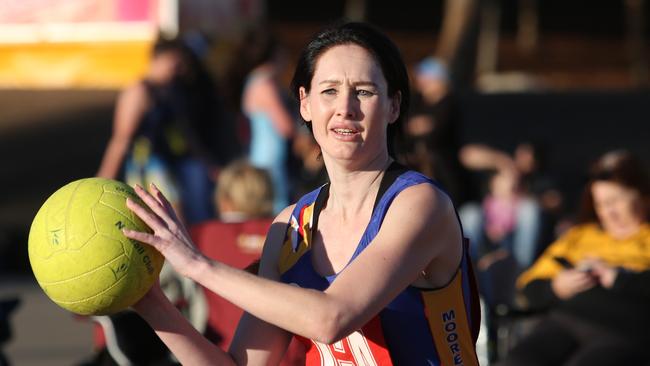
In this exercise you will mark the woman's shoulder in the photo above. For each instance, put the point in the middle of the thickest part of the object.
(584, 232)
(421, 196)
(409, 177)
(422, 216)
(417, 187)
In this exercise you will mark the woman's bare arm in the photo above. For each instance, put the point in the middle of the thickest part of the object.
(395, 259)
(188, 345)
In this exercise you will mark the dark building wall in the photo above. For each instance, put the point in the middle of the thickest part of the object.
(574, 128)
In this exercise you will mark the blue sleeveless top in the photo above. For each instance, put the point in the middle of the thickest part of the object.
(419, 327)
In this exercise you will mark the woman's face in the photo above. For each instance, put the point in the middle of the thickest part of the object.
(348, 104)
(616, 206)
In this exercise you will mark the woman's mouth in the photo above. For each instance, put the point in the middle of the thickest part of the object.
(345, 131)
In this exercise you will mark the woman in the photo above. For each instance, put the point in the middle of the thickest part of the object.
(368, 269)
(595, 280)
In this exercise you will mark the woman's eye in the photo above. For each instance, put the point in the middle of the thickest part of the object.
(364, 93)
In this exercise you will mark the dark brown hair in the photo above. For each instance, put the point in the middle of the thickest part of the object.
(379, 45)
(620, 167)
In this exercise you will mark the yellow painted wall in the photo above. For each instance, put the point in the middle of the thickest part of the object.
(73, 65)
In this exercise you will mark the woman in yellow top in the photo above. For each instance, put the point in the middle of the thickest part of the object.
(595, 280)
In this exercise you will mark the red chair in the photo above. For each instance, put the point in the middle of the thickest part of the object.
(238, 245)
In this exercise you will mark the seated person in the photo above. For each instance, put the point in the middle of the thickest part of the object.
(508, 217)
(503, 230)
(243, 193)
(244, 197)
(594, 281)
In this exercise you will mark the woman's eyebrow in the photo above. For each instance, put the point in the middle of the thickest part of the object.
(365, 83)
(356, 83)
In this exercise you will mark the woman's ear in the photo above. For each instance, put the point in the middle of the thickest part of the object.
(305, 111)
(396, 101)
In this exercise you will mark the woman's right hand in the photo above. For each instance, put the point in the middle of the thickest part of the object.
(169, 236)
(570, 282)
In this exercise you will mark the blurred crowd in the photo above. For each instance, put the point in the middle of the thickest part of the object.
(560, 285)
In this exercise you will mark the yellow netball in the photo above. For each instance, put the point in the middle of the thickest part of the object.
(79, 255)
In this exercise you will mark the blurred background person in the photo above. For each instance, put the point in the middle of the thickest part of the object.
(170, 129)
(594, 281)
(244, 196)
(521, 203)
(244, 193)
(530, 159)
(503, 228)
(507, 220)
(256, 71)
(431, 133)
(165, 131)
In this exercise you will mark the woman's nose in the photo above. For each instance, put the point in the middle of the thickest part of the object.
(347, 105)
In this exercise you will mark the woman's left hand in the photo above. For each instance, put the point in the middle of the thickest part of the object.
(169, 235)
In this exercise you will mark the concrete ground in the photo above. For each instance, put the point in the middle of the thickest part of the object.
(43, 333)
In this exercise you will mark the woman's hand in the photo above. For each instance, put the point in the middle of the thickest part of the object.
(601, 270)
(570, 282)
(169, 236)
